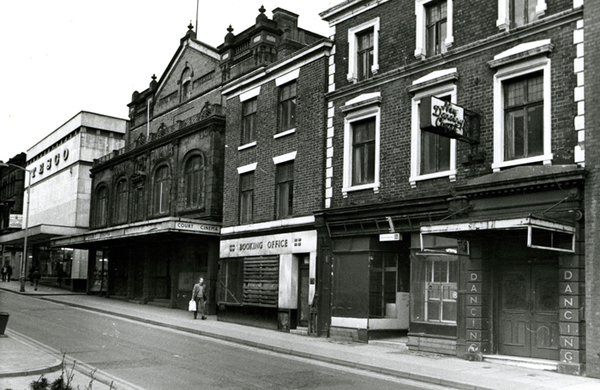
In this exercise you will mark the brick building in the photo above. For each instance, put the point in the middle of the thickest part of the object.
(274, 82)
(156, 203)
(454, 202)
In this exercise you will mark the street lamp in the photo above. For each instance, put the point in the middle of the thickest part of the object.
(24, 258)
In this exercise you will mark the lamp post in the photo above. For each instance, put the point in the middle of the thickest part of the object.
(24, 258)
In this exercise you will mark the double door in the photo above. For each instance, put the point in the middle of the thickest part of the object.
(528, 313)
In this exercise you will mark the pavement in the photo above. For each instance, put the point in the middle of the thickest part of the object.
(22, 358)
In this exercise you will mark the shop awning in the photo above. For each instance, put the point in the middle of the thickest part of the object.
(169, 225)
(542, 233)
(39, 234)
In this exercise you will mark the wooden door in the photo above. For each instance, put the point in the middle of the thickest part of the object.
(303, 280)
(528, 323)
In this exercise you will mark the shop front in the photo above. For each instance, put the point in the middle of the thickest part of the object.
(268, 280)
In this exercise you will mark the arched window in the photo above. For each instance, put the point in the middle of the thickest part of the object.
(161, 190)
(121, 201)
(194, 182)
(101, 206)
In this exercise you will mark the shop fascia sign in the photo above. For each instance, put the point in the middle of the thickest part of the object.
(16, 221)
(444, 118)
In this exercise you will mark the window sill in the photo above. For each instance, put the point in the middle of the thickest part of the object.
(545, 159)
(247, 146)
(284, 133)
(451, 175)
(374, 186)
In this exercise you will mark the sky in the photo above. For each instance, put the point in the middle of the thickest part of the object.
(61, 57)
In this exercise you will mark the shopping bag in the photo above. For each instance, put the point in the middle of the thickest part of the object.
(192, 305)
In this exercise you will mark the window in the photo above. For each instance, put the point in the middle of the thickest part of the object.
(121, 199)
(284, 189)
(193, 182)
(516, 13)
(246, 197)
(249, 109)
(138, 204)
(523, 117)
(383, 283)
(361, 143)
(433, 156)
(287, 106)
(434, 27)
(364, 55)
(363, 47)
(161, 190)
(434, 288)
(101, 206)
(363, 152)
(522, 106)
(186, 84)
(249, 281)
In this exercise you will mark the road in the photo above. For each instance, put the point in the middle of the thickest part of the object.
(154, 357)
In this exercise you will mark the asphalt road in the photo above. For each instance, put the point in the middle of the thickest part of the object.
(153, 357)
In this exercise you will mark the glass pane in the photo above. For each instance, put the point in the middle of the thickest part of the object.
(433, 310)
(513, 134)
(546, 293)
(389, 286)
(515, 93)
(514, 292)
(535, 89)
(449, 311)
(535, 131)
(519, 12)
(417, 290)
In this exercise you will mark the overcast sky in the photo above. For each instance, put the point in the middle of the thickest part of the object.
(60, 57)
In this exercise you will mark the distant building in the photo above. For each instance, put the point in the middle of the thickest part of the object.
(60, 188)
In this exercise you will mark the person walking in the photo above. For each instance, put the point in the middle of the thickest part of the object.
(4, 271)
(36, 278)
(9, 272)
(199, 295)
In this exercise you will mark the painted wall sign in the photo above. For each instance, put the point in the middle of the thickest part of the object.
(270, 245)
(442, 117)
(197, 227)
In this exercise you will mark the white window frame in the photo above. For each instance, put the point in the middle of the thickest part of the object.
(504, 21)
(421, 46)
(508, 72)
(446, 88)
(353, 47)
(359, 111)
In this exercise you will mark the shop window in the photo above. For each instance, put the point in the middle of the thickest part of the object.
(432, 155)
(249, 109)
(193, 181)
(161, 190)
(284, 189)
(522, 106)
(246, 197)
(121, 199)
(434, 27)
(383, 283)
(434, 288)
(287, 106)
(363, 47)
(250, 281)
(101, 211)
(231, 289)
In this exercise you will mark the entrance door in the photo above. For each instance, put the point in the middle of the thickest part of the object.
(528, 323)
(303, 307)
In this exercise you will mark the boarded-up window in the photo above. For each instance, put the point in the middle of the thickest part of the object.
(261, 281)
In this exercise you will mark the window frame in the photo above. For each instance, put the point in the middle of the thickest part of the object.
(363, 107)
(197, 191)
(121, 201)
(285, 105)
(246, 136)
(186, 84)
(504, 21)
(447, 88)
(281, 184)
(353, 32)
(421, 33)
(246, 170)
(511, 71)
(161, 197)
(101, 209)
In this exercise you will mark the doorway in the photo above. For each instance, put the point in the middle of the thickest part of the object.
(528, 310)
(303, 283)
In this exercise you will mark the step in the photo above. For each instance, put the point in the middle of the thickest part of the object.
(302, 331)
(537, 364)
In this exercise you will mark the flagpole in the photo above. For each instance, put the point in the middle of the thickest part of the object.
(197, 6)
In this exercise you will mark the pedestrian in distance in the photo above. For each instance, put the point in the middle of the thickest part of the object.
(199, 295)
(4, 272)
(36, 278)
(30, 274)
(9, 272)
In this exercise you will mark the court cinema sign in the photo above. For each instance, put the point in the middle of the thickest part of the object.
(446, 119)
